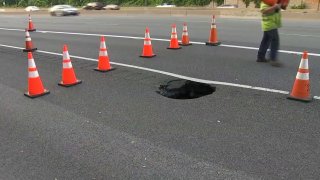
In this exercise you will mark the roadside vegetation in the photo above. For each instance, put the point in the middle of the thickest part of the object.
(128, 3)
(301, 6)
(48, 3)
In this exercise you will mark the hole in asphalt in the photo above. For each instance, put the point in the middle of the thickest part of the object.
(185, 89)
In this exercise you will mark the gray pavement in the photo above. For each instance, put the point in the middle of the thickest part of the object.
(115, 126)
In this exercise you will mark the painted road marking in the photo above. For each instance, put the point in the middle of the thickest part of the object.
(155, 39)
(302, 35)
(169, 73)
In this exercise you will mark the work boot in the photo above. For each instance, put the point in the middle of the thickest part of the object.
(262, 60)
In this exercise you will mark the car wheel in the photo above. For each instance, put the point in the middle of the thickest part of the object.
(59, 13)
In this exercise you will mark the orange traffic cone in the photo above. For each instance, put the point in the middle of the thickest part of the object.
(31, 27)
(147, 51)
(185, 36)
(301, 86)
(68, 75)
(29, 46)
(213, 39)
(103, 61)
(174, 44)
(35, 86)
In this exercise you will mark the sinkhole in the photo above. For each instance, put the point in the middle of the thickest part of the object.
(185, 89)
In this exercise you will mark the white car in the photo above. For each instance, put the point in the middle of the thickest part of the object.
(166, 5)
(112, 7)
(63, 10)
(31, 8)
(227, 6)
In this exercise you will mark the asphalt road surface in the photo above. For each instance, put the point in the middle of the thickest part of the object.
(115, 125)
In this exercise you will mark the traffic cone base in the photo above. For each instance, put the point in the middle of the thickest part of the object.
(150, 56)
(301, 86)
(29, 45)
(147, 51)
(300, 99)
(69, 85)
(101, 70)
(35, 86)
(185, 44)
(174, 43)
(213, 44)
(37, 95)
(103, 60)
(68, 74)
(30, 50)
(185, 36)
(30, 25)
(174, 48)
(213, 35)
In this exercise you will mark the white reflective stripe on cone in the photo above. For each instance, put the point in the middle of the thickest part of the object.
(31, 63)
(27, 34)
(33, 74)
(174, 30)
(304, 64)
(103, 45)
(185, 28)
(28, 39)
(213, 20)
(147, 35)
(67, 65)
(184, 33)
(66, 55)
(302, 76)
(147, 42)
(103, 53)
(174, 36)
(213, 26)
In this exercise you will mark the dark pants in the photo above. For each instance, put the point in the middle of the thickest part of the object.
(270, 38)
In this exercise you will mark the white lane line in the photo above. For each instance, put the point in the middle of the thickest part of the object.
(165, 73)
(170, 74)
(302, 35)
(156, 39)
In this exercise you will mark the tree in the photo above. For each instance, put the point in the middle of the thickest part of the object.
(257, 3)
(247, 2)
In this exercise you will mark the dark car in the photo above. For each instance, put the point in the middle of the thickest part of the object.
(94, 6)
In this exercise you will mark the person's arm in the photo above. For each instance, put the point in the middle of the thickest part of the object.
(271, 9)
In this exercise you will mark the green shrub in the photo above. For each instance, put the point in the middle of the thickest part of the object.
(301, 6)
